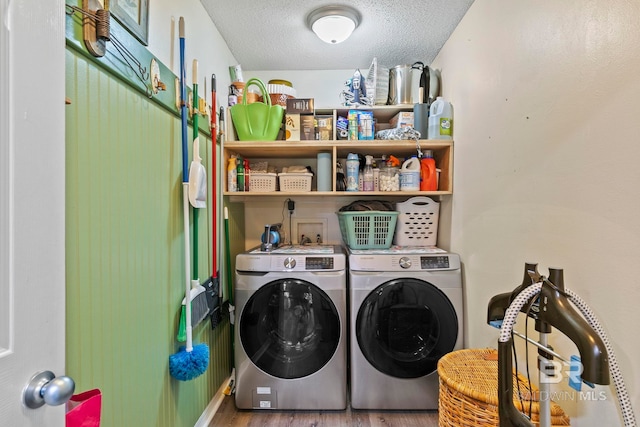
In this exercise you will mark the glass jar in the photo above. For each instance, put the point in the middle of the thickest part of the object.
(389, 179)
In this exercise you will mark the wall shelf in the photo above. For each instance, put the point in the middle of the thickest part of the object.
(285, 153)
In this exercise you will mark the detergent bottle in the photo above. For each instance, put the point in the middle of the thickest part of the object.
(232, 176)
(428, 173)
(410, 175)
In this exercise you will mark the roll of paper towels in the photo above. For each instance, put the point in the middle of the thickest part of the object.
(324, 172)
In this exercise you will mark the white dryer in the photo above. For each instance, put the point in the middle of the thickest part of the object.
(406, 311)
(291, 328)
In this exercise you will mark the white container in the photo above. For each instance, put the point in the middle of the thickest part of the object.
(262, 182)
(410, 175)
(295, 182)
(440, 119)
(353, 169)
(417, 223)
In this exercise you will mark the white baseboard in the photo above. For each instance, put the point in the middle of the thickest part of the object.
(212, 407)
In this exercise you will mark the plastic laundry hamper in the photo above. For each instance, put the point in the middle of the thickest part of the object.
(469, 391)
(417, 223)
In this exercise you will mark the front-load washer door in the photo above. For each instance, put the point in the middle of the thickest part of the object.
(404, 326)
(289, 328)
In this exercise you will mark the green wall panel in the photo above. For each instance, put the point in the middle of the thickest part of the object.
(125, 254)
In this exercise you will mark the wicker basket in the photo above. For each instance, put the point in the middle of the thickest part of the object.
(469, 391)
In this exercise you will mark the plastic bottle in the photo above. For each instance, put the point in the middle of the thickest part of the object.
(232, 176)
(440, 119)
(428, 173)
(353, 166)
(247, 174)
(368, 175)
(240, 174)
(233, 98)
(410, 175)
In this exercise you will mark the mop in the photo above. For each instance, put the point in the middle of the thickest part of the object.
(190, 361)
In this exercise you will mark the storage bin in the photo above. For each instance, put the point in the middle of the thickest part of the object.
(295, 182)
(417, 223)
(469, 391)
(262, 182)
(367, 230)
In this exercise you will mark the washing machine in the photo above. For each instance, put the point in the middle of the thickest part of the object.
(291, 328)
(406, 312)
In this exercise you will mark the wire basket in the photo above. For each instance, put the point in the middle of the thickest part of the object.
(469, 391)
(295, 182)
(417, 222)
(368, 230)
(262, 182)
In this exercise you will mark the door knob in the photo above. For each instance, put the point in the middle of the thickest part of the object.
(44, 387)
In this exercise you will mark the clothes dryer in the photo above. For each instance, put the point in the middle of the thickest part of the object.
(291, 328)
(406, 311)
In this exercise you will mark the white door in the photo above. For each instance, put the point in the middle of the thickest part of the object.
(32, 201)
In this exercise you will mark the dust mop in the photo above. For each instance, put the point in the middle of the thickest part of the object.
(190, 361)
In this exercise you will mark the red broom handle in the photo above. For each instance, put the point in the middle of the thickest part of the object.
(214, 172)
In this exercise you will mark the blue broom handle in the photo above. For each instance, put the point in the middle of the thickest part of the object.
(183, 105)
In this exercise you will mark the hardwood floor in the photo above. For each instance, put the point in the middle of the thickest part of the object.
(227, 415)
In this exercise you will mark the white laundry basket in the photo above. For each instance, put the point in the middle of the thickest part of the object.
(417, 223)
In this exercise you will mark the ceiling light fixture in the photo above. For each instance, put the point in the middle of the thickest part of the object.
(333, 24)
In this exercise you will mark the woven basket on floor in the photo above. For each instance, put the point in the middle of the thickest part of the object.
(469, 391)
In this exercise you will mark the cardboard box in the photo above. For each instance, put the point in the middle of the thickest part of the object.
(365, 125)
(308, 128)
(402, 119)
(325, 127)
(292, 127)
(300, 106)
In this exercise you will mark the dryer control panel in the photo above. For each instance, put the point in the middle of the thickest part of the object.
(404, 262)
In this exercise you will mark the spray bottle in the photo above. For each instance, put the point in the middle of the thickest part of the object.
(368, 175)
(247, 174)
(232, 177)
(240, 174)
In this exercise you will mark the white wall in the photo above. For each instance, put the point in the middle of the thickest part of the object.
(546, 97)
(202, 42)
(323, 86)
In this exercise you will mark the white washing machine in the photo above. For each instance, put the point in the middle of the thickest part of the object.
(406, 311)
(291, 328)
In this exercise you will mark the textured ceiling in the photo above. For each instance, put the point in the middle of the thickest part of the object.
(273, 35)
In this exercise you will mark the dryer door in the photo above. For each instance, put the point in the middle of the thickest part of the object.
(289, 328)
(404, 326)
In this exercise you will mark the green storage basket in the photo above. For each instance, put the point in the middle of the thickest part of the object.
(369, 229)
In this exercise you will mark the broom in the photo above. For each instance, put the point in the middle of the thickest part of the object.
(197, 197)
(190, 361)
